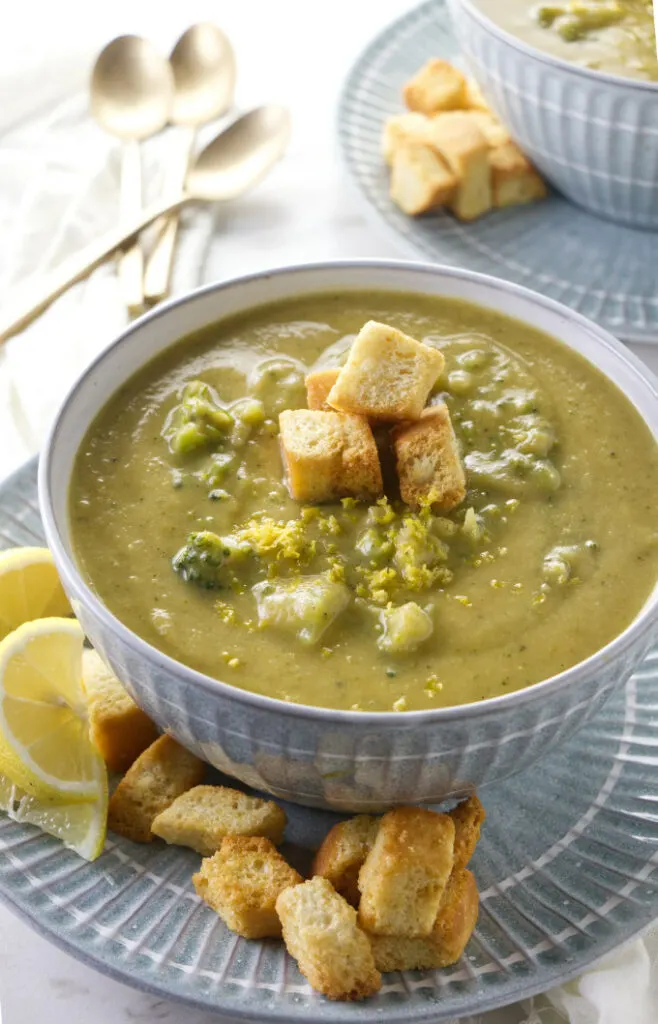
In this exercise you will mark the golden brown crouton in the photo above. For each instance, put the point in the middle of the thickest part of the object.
(242, 881)
(474, 97)
(387, 376)
(203, 816)
(468, 817)
(318, 386)
(329, 455)
(400, 129)
(514, 180)
(465, 149)
(406, 871)
(343, 851)
(420, 179)
(320, 931)
(152, 783)
(494, 132)
(446, 942)
(437, 86)
(119, 729)
(428, 462)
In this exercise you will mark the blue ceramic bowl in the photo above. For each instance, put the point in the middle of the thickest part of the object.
(338, 759)
(593, 135)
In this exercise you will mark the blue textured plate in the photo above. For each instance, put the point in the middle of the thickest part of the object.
(606, 272)
(567, 869)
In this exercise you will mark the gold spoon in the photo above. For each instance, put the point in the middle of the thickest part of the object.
(132, 91)
(236, 160)
(203, 65)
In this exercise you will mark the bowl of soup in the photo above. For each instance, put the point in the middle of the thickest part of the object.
(577, 85)
(359, 653)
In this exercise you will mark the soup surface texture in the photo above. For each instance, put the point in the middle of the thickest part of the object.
(615, 36)
(550, 556)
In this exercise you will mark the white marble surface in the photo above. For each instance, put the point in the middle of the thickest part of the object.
(293, 52)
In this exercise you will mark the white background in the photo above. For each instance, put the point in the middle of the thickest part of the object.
(63, 172)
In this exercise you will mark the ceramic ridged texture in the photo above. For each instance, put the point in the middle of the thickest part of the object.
(594, 139)
(567, 869)
(605, 271)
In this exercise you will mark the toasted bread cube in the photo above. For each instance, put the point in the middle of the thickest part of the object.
(514, 180)
(474, 97)
(342, 853)
(387, 376)
(404, 875)
(203, 816)
(420, 179)
(119, 729)
(320, 931)
(428, 462)
(446, 942)
(328, 455)
(241, 882)
(468, 817)
(318, 386)
(465, 149)
(401, 129)
(494, 132)
(151, 784)
(437, 86)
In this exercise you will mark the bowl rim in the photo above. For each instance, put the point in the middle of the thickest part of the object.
(76, 584)
(549, 58)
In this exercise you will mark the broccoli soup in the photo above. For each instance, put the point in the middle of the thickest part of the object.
(478, 517)
(616, 36)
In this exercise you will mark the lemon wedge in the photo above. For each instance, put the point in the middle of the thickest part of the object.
(29, 588)
(45, 747)
(81, 827)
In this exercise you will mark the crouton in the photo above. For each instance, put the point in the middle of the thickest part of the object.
(342, 853)
(328, 455)
(494, 132)
(513, 178)
(468, 817)
(151, 784)
(400, 129)
(465, 149)
(203, 816)
(437, 86)
(405, 873)
(428, 462)
(119, 729)
(388, 375)
(241, 882)
(420, 179)
(320, 931)
(474, 97)
(455, 921)
(318, 386)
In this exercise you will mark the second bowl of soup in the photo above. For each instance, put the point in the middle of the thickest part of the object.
(353, 647)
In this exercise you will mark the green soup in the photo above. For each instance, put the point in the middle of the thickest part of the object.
(182, 523)
(616, 36)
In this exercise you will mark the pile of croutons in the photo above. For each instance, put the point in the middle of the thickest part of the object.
(329, 450)
(387, 893)
(451, 150)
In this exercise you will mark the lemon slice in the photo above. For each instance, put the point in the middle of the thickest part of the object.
(29, 588)
(45, 747)
(81, 827)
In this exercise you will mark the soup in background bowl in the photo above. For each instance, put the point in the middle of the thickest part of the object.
(536, 574)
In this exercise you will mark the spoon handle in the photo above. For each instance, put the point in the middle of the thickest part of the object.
(131, 262)
(159, 264)
(33, 297)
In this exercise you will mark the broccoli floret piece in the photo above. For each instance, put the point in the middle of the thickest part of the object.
(199, 421)
(404, 628)
(201, 559)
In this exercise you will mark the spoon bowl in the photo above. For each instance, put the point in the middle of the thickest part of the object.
(132, 88)
(203, 66)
